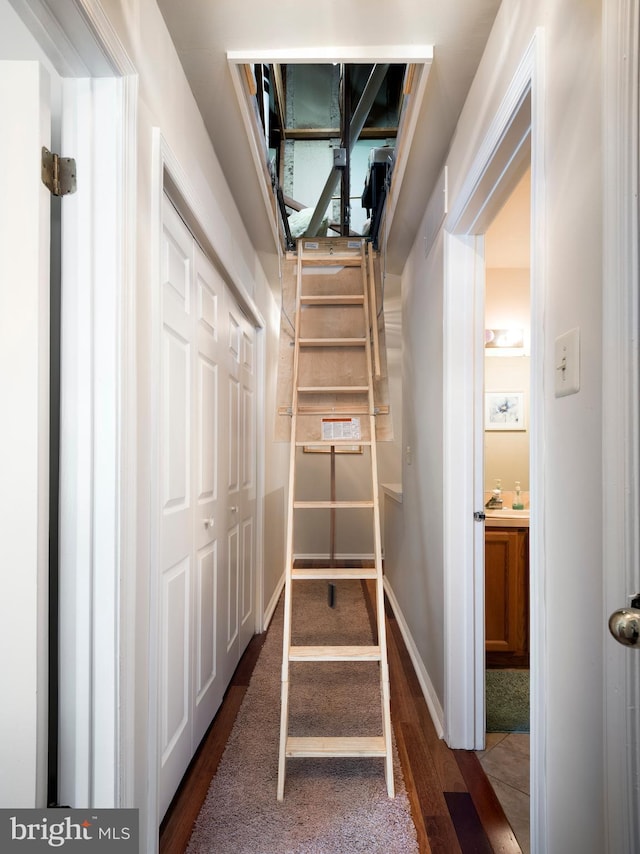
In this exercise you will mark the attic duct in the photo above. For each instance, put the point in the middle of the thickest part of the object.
(358, 120)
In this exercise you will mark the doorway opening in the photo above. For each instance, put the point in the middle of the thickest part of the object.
(507, 392)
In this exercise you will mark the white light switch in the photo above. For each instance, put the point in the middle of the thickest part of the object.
(567, 363)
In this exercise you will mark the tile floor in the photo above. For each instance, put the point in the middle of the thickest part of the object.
(505, 760)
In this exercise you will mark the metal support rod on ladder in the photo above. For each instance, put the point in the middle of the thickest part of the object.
(332, 527)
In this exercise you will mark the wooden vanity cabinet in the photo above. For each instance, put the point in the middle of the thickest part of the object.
(506, 569)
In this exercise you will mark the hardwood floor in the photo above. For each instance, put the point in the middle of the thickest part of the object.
(453, 805)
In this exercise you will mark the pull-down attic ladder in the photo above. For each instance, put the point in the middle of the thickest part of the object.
(336, 356)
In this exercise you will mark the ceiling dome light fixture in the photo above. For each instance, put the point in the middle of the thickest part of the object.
(494, 338)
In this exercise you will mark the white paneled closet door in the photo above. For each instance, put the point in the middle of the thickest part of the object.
(209, 499)
(240, 567)
(207, 513)
(207, 495)
(176, 503)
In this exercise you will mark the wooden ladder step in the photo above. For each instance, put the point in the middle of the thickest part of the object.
(325, 505)
(333, 299)
(321, 746)
(334, 653)
(336, 443)
(329, 573)
(332, 342)
(346, 409)
(333, 389)
(330, 260)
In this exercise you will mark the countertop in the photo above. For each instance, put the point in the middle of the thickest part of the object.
(506, 518)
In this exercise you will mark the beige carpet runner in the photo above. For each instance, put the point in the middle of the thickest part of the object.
(331, 806)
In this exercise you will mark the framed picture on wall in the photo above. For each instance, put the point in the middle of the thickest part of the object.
(504, 410)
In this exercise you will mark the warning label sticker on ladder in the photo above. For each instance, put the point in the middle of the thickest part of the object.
(340, 428)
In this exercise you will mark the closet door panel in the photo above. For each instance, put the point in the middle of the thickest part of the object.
(175, 558)
(209, 409)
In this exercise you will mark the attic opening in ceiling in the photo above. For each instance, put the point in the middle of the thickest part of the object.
(328, 123)
(329, 136)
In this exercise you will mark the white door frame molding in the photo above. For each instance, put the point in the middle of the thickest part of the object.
(98, 401)
(168, 176)
(621, 425)
(515, 134)
(99, 331)
(97, 500)
(464, 626)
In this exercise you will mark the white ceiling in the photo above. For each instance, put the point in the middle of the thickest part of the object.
(204, 30)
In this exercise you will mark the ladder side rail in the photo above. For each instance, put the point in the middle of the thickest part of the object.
(382, 635)
(373, 311)
(286, 632)
(296, 335)
(367, 325)
(380, 614)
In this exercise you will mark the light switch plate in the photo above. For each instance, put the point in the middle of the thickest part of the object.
(567, 363)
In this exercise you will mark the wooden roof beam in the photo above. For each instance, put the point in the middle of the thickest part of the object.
(334, 133)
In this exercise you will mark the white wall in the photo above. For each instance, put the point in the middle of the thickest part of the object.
(276, 474)
(390, 453)
(413, 549)
(572, 573)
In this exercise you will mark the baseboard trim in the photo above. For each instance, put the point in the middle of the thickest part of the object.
(273, 603)
(430, 696)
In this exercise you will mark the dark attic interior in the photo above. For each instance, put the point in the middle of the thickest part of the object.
(330, 133)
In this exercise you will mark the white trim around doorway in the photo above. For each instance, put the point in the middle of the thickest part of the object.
(514, 136)
(620, 423)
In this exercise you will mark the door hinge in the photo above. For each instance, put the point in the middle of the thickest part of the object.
(58, 173)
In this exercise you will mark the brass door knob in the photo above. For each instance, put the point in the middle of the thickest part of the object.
(624, 625)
